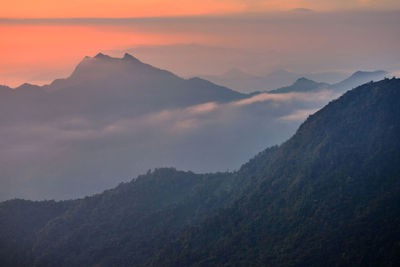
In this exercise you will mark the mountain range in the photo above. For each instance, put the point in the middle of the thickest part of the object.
(111, 86)
(102, 81)
(301, 85)
(307, 85)
(114, 118)
(126, 87)
(327, 196)
(245, 82)
(287, 81)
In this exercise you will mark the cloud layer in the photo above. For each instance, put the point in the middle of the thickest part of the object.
(75, 156)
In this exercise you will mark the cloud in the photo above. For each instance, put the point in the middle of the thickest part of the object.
(299, 115)
(69, 157)
(395, 73)
(319, 96)
(202, 108)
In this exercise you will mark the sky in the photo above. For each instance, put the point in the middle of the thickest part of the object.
(43, 40)
(151, 8)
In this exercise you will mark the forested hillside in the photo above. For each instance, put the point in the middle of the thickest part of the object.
(329, 196)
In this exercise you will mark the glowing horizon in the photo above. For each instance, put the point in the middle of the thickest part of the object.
(43, 40)
(165, 8)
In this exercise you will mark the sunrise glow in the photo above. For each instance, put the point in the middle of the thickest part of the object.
(35, 39)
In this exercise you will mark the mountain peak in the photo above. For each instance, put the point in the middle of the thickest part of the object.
(360, 77)
(128, 56)
(301, 85)
(27, 86)
(102, 56)
(101, 63)
(304, 80)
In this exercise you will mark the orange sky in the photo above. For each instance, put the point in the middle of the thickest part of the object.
(29, 49)
(115, 8)
(148, 8)
(33, 47)
(42, 43)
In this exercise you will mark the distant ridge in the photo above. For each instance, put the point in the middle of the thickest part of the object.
(244, 82)
(301, 85)
(356, 79)
(124, 86)
(360, 77)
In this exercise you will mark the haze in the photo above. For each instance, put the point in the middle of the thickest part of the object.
(43, 41)
(117, 117)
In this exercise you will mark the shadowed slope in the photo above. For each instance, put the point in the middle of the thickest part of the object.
(328, 196)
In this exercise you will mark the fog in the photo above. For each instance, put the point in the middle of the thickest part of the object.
(114, 118)
(75, 156)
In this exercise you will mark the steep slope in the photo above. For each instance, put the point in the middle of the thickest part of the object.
(20, 221)
(328, 196)
(118, 227)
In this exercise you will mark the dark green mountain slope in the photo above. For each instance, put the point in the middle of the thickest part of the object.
(20, 220)
(329, 196)
(118, 227)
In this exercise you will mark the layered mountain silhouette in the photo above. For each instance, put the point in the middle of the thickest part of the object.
(360, 77)
(114, 118)
(301, 85)
(245, 82)
(111, 86)
(307, 85)
(118, 87)
(277, 81)
(327, 196)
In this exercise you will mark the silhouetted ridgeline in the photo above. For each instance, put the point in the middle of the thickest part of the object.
(356, 79)
(329, 196)
(115, 118)
(111, 87)
(294, 82)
